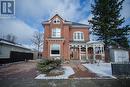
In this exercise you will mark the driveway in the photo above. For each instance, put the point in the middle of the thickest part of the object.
(22, 74)
(19, 70)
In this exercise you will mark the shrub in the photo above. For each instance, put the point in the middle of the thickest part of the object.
(47, 65)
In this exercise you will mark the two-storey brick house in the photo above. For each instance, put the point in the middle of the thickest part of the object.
(65, 39)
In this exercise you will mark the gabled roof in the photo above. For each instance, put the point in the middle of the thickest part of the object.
(48, 21)
(72, 24)
(53, 17)
(56, 15)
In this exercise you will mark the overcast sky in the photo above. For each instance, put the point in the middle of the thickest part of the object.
(30, 14)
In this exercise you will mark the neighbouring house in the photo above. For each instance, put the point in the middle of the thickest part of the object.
(13, 52)
(70, 41)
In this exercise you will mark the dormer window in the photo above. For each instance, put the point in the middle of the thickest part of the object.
(56, 21)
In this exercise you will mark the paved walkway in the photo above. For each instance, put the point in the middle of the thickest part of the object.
(81, 71)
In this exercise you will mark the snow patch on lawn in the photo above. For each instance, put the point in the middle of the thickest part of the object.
(102, 70)
(67, 72)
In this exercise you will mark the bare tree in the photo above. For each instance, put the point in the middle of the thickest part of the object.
(38, 41)
(8, 37)
(2, 36)
(11, 37)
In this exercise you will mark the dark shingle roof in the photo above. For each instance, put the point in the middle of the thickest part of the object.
(75, 23)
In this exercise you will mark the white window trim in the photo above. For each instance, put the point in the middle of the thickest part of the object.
(56, 35)
(55, 54)
(77, 36)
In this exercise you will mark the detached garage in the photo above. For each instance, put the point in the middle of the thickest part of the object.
(13, 52)
(119, 55)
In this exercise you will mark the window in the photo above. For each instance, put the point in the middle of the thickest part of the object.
(55, 50)
(56, 32)
(56, 21)
(83, 49)
(78, 36)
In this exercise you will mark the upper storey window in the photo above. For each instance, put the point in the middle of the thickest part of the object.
(78, 36)
(56, 32)
(56, 21)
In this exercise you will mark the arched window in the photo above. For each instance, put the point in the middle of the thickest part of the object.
(78, 36)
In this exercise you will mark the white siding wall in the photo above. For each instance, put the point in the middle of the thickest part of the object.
(121, 56)
(5, 50)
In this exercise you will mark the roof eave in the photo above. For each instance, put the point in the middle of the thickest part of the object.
(79, 26)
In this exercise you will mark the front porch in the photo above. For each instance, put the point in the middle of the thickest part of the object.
(87, 52)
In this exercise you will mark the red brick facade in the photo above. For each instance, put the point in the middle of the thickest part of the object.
(66, 37)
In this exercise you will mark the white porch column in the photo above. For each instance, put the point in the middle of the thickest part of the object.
(79, 52)
(69, 51)
(86, 52)
(101, 51)
(94, 53)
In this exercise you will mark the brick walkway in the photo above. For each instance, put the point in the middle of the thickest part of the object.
(80, 70)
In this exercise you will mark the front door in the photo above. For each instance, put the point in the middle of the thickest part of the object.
(74, 55)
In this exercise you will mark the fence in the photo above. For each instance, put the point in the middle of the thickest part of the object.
(121, 69)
